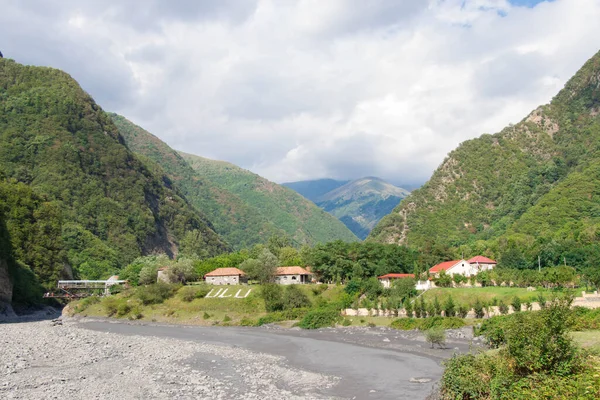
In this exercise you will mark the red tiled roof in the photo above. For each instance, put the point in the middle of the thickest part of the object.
(292, 271)
(396, 276)
(226, 272)
(445, 266)
(481, 260)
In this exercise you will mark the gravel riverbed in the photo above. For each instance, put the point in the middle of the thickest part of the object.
(40, 360)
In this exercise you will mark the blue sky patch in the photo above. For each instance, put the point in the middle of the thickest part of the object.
(526, 3)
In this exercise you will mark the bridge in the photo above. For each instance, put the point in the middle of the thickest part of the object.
(76, 289)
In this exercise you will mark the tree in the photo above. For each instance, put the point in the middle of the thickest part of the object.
(148, 275)
(408, 308)
(437, 307)
(289, 256)
(436, 336)
(443, 279)
(261, 269)
(293, 297)
(272, 294)
(181, 271)
(449, 307)
(516, 304)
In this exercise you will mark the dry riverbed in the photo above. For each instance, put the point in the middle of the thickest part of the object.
(99, 359)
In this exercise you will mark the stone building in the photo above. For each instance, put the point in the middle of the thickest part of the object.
(292, 275)
(226, 276)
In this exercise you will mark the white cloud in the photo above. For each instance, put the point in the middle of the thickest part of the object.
(308, 89)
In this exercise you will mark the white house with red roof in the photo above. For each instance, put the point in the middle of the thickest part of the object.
(387, 279)
(461, 267)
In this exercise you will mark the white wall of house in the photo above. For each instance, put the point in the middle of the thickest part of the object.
(424, 285)
(463, 268)
(385, 282)
(223, 280)
(479, 267)
(291, 279)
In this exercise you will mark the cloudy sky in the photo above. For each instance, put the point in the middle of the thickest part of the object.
(308, 89)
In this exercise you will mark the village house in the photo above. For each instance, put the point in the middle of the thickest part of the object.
(481, 263)
(387, 279)
(292, 275)
(226, 276)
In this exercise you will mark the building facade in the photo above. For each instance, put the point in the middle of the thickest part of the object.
(292, 276)
(226, 276)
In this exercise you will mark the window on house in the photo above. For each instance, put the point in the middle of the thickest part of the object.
(293, 278)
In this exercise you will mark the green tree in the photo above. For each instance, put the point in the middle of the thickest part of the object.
(449, 307)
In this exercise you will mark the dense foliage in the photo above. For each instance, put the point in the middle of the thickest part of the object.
(77, 196)
(537, 360)
(299, 218)
(525, 195)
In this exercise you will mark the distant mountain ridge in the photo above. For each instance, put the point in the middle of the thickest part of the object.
(244, 207)
(314, 189)
(359, 204)
(298, 217)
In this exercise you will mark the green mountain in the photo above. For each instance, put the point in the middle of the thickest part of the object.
(360, 204)
(74, 199)
(239, 223)
(242, 217)
(314, 189)
(300, 219)
(530, 190)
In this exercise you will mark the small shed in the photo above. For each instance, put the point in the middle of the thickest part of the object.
(292, 275)
(226, 276)
(387, 279)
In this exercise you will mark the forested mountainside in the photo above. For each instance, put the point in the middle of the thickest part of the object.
(530, 190)
(361, 203)
(75, 199)
(240, 224)
(314, 189)
(301, 220)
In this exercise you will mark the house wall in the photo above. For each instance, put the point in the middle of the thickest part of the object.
(225, 280)
(462, 268)
(291, 279)
(385, 282)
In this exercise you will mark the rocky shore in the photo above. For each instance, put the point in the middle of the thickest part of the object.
(44, 360)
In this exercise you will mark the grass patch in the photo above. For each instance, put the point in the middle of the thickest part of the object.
(467, 295)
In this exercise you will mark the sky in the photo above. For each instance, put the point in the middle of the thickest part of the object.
(309, 89)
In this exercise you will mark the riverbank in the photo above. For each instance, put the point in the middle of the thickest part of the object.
(90, 358)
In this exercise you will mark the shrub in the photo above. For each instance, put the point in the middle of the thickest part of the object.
(462, 311)
(516, 304)
(436, 336)
(443, 279)
(227, 318)
(405, 324)
(538, 342)
(111, 305)
(320, 318)
(318, 289)
(478, 308)
(189, 293)
(346, 322)
(206, 315)
(449, 306)
(156, 293)
(286, 315)
(408, 308)
(503, 308)
(85, 303)
(353, 287)
(272, 294)
(541, 300)
(148, 275)
(371, 325)
(136, 313)
(248, 322)
(440, 322)
(436, 307)
(293, 297)
(182, 271)
(123, 309)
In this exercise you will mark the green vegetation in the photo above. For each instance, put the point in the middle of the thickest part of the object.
(537, 359)
(300, 219)
(525, 195)
(72, 193)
